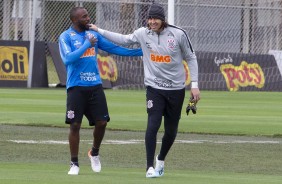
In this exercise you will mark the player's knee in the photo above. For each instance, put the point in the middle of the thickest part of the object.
(171, 133)
(75, 127)
(101, 124)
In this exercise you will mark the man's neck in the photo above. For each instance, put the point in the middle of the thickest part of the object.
(77, 29)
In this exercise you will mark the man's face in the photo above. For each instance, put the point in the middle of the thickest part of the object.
(155, 24)
(82, 19)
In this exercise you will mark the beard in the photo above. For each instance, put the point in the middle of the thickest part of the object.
(84, 27)
(87, 27)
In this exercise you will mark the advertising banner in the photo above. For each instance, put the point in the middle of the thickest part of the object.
(14, 65)
(238, 72)
(217, 71)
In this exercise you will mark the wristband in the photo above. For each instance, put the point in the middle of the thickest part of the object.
(194, 85)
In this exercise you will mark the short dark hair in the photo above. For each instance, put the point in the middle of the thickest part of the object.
(73, 12)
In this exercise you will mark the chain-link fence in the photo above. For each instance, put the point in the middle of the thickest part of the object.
(236, 26)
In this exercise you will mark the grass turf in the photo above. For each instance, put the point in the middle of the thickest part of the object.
(217, 159)
(209, 159)
(229, 113)
(55, 174)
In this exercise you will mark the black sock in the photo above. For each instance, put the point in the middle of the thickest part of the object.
(74, 160)
(160, 157)
(94, 151)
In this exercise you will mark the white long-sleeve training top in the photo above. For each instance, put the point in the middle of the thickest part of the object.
(163, 54)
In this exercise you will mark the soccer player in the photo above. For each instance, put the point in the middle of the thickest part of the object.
(164, 47)
(85, 96)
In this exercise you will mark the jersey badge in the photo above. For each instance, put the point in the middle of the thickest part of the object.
(70, 114)
(148, 45)
(77, 44)
(171, 43)
(170, 35)
(72, 33)
(150, 33)
(149, 104)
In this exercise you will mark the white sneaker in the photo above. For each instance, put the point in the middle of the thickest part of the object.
(95, 162)
(74, 169)
(159, 167)
(151, 173)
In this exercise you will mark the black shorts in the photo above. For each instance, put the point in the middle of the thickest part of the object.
(167, 103)
(88, 101)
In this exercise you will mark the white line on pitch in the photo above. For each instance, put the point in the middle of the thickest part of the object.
(134, 141)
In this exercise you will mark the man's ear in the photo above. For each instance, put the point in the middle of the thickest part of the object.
(74, 20)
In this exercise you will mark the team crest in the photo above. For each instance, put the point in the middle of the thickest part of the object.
(70, 114)
(77, 44)
(171, 43)
(150, 104)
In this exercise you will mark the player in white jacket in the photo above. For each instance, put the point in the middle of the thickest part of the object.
(164, 48)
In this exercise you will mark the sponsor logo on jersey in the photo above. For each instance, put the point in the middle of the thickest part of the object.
(77, 44)
(163, 83)
(170, 35)
(88, 76)
(150, 33)
(148, 45)
(72, 33)
(89, 53)
(160, 58)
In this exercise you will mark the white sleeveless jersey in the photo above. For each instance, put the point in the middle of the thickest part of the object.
(162, 55)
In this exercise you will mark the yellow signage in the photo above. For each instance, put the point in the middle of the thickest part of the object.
(244, 75)
(13, 63)
(187, 73)
(108, 68)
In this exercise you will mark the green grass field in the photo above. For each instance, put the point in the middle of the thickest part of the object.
(232, 113)
(235, 137)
